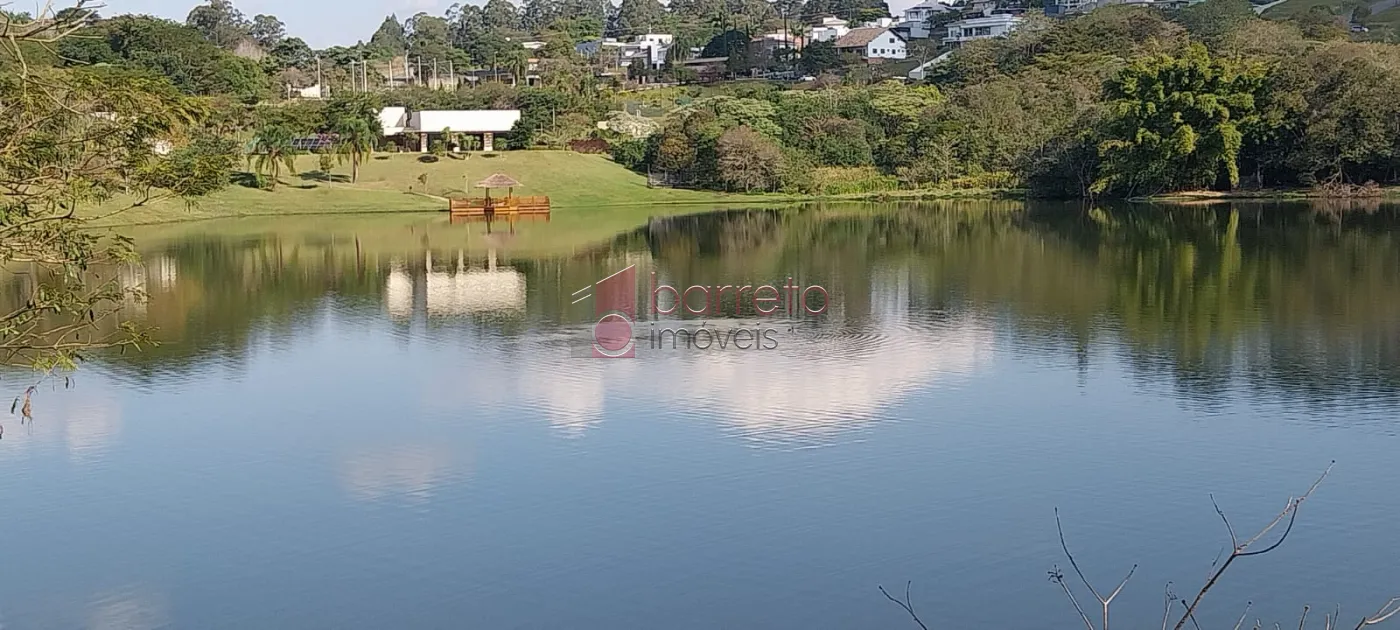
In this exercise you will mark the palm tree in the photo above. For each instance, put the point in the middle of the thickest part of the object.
(356, 137)
(517, 61)
(273, 149)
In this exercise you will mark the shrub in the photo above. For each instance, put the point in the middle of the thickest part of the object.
(841, 180)
(591, 145)
(836, 141)
(992, 179)
(630, 153)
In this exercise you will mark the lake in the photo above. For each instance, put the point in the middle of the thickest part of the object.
(398, 422)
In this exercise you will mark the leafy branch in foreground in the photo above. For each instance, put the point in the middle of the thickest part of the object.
(1257, 545)
(77, 145)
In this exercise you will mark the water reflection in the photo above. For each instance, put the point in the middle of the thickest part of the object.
(407, 472)
(1263, 296)
(130, 608)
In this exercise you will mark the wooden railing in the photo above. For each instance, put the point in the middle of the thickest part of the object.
(481, 206)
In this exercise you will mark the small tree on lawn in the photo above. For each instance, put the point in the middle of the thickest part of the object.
(273, 150)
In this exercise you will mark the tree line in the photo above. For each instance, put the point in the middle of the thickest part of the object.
(1124, 101)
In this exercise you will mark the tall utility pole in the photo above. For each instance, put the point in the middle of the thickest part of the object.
(320, 84)
(451, 74)
(436, 84)
(352, 75)
(407, 74)
(420, 70)
(364, 75)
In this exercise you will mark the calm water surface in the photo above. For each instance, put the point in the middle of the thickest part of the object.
(381, 422)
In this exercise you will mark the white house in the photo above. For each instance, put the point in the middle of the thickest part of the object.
(916, 18)
(829, 29)
(397, 121)
(995, 25)
(657, 46)
(874, 44)
(393, 120)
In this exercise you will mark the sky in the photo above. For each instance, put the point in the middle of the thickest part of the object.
(322, 23)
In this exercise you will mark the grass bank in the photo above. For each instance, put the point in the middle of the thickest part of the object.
(578, 185)
(406, 183)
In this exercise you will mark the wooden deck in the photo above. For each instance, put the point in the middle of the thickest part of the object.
(504, 208)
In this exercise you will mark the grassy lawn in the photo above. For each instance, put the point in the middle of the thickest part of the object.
(588, 192)
(395, 183)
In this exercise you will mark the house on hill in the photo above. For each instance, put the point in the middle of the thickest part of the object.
(768, 46)
(829, 29)
(916, 18)
(984, 27)
(874, 44)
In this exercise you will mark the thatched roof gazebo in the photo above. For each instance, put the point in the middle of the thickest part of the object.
(511, 205)
(499, 180)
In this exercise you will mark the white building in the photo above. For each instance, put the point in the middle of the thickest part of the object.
(874, 44)
(397, 121)
(916, 18)
(657, 45)
(393, 120)
(995, 25)
(315, 91)
(829, 29)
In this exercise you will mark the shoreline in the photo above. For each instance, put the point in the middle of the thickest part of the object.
(1272, 194)
(722, 200)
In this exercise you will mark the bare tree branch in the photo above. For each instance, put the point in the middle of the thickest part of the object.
(1244, 615)
(1390, 609)
(907, 604)
(1241, 550)
(1105, 602)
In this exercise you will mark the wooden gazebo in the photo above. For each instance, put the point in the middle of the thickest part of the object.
(510, 205)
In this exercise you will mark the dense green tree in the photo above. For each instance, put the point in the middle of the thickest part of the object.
(179, 53)
(638, 17)
(429, 37)
(578, 29)
(390, 36)
(835, 141)
(537, 15)
(291, 52)
(501, 15)
(1213, 20)
(819, 57)
(1320, 23)
(1175, 122)
(674, 153)
(267, 31)
(219, 22)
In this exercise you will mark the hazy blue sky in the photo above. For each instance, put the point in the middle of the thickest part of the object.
(321, 23)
